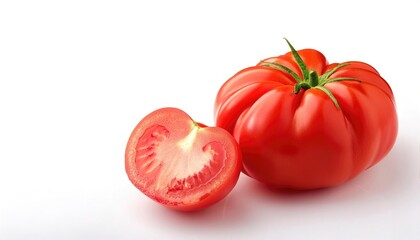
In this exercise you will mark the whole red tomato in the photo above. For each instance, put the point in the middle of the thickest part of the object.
(303, 123)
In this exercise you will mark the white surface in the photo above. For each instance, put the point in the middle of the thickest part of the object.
(77, 76)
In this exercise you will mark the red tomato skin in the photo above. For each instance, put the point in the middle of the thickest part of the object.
(226, 179)
(302, 141)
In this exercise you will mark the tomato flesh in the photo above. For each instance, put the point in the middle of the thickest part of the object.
(180, 163)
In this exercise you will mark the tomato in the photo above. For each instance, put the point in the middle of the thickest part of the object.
(180, 163)
(303, 123)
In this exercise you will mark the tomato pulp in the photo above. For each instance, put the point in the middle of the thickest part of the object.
(180, 163)
(303, 123)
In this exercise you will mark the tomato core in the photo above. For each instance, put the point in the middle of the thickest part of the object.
(216, 158)
(179, 167)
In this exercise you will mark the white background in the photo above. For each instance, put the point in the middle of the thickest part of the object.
(77, 76)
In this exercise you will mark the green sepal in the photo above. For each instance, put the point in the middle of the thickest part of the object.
(299, 60)
(297, 88)
(343, 79)
(284, 68)
(329, 94)
(333, 70)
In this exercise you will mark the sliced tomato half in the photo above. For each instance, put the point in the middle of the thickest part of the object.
(180, 163)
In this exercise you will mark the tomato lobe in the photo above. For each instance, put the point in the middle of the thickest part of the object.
(145, 149)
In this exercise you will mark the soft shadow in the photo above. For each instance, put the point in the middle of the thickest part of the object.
(291, 197)
(252, 200)
(393, 176)
(397, 168)
(227, 213)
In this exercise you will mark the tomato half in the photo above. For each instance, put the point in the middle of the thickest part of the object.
(180, 163)
(303, 123)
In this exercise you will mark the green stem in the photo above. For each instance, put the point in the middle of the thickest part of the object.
(313, 79)
(310, 77)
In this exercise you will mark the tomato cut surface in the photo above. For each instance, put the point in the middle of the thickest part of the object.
(180, 163)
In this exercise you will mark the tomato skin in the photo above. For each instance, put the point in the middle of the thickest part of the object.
(303, 141)
(158, 149)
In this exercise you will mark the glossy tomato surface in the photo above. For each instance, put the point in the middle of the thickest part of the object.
(319, 134)
(180, 163)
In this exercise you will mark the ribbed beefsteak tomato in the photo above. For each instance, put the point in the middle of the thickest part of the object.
(303, 123)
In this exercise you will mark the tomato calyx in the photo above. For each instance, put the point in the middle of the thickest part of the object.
(310, 78)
